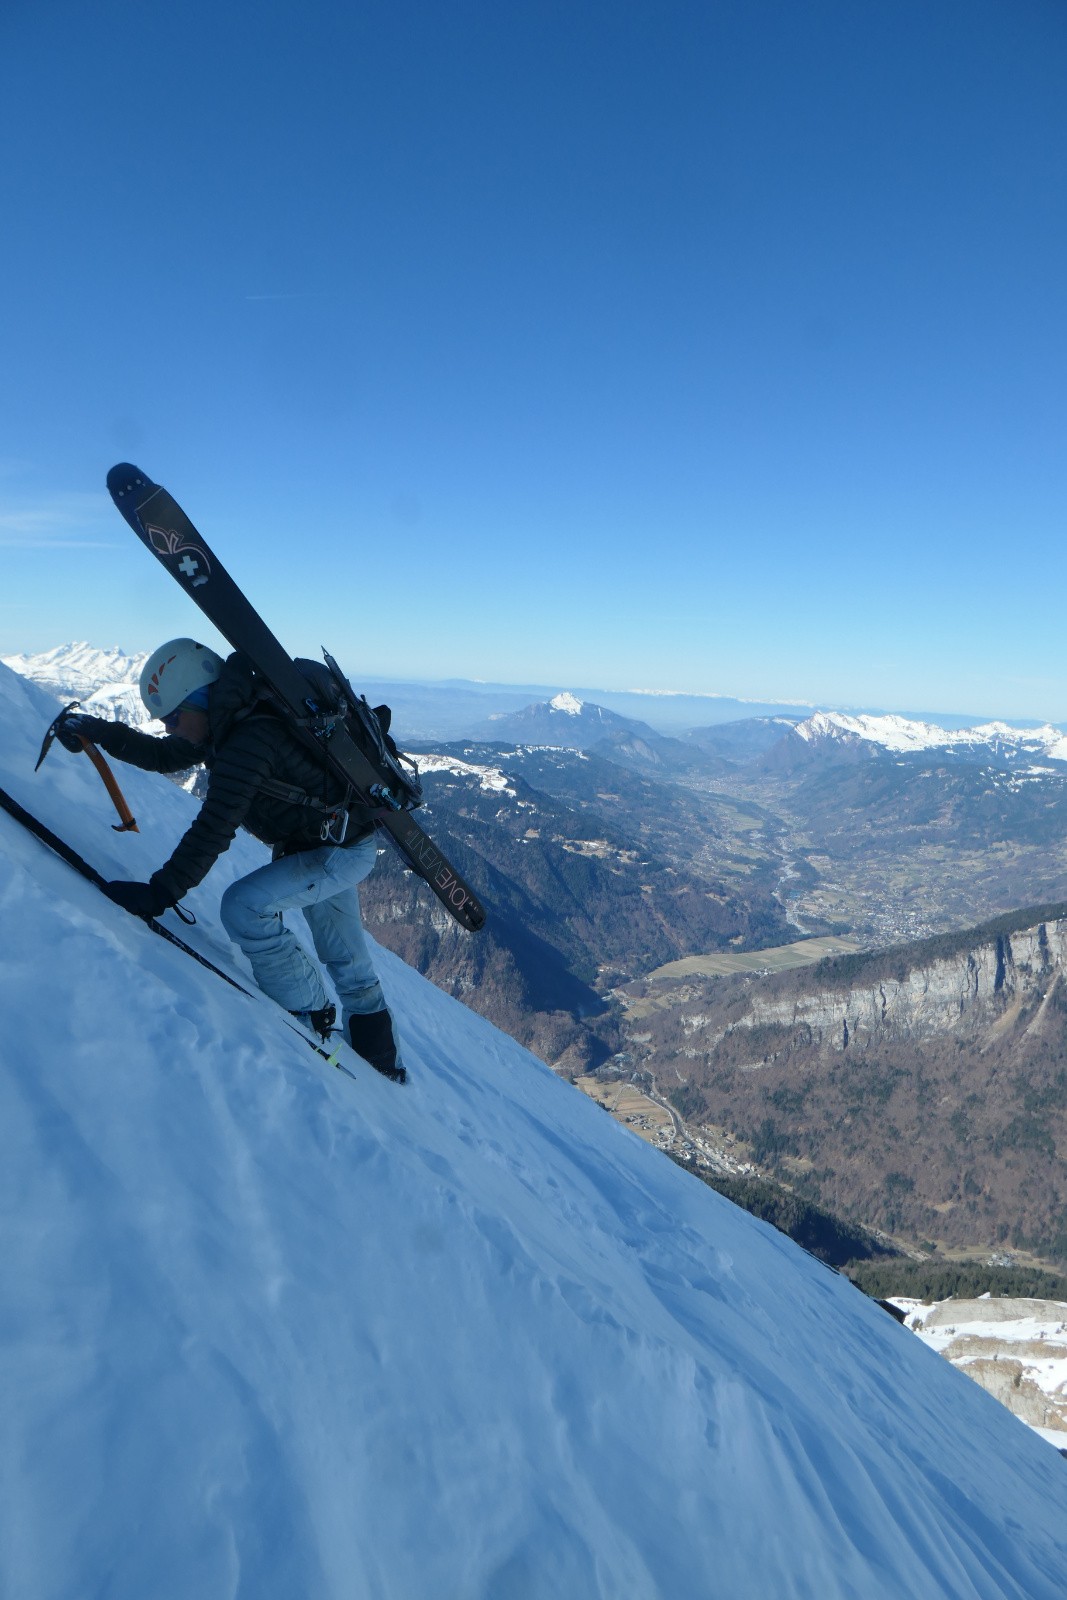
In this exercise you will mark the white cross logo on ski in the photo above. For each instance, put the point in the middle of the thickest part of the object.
(189, 566)
(168, 542)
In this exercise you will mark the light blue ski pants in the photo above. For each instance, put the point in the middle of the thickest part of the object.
(322, 884)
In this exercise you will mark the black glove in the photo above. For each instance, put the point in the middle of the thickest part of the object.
(74, 726)
(142, 899)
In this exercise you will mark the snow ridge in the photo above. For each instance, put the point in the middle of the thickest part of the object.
(80, 666)
(490, 779)
(903, 735)
(104, 682)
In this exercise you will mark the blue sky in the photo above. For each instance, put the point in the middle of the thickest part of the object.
(711, 346)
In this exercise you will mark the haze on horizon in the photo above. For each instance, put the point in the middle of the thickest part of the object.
(81, 668)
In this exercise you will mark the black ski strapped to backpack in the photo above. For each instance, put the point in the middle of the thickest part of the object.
(384, 792)
(334, 704)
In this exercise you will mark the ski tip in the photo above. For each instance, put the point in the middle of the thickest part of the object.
(125, 480)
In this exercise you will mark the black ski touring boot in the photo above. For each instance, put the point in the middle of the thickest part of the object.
(372, 1038)
(320, 1022)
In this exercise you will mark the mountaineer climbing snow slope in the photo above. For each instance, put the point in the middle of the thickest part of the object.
(270, 1331)
(262, 778)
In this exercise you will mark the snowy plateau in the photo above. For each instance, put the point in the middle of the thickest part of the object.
(1016, 1349)
(272, 1332)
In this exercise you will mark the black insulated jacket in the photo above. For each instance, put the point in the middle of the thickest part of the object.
(249, 744)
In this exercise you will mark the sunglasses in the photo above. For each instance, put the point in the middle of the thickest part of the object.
(170, 721)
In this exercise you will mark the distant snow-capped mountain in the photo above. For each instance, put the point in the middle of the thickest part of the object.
(564, 721)
(78, 669)
(105, 682)
(998, 740)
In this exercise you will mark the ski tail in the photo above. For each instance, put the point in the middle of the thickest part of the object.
(420, 853)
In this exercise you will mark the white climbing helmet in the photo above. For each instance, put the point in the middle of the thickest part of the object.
(174, 672)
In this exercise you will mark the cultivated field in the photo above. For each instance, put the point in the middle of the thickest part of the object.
(775, 959)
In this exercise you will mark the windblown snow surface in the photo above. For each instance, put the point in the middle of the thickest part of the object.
(269, 1332)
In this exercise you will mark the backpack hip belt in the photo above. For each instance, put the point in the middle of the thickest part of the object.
(335, 818)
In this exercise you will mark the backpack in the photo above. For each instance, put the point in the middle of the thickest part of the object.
(367, 727)
(334, 703)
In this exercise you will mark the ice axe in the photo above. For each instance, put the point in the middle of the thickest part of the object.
(127, 824)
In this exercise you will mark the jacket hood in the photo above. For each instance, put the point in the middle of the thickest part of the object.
(232, 696)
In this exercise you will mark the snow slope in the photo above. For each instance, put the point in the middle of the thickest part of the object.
(272, 1333)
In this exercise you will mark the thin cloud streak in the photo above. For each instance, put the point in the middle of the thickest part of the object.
(71, 522)
(46, 543)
